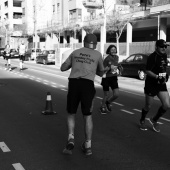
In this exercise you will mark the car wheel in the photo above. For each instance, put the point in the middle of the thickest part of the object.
(141, 75)
(44, 62)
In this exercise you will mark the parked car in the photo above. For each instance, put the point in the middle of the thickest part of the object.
(2, 52)
(30, 53)
(135, 66)
(47, 56)
(14, 53)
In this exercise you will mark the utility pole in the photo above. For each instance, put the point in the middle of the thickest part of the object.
(35, 27)
(103, 29)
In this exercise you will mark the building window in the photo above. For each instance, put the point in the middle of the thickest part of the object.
(17, 3)
(6, 4)
(79, 14)
(53, 8)
(75, 15)
(17, 15)
(34, 9)
(72, 15)
(23, 11)
(58, 7)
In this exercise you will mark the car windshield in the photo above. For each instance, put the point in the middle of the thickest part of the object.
(130, 59)
(51, 51)
(13, 50)
(37, 50)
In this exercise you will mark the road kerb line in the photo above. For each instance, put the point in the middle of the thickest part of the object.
(18, 166)
(4, 147)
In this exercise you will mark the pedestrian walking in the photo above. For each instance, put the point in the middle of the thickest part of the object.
(110, 79)
(22, 50)
(7, 57)
(155, 85)
(85, 63)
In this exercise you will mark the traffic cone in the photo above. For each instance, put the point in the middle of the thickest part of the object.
(48, 107)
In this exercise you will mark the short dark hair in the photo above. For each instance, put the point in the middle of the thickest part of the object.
(109, 48)
(161, 43)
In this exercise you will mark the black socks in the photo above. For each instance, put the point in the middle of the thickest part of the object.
(144, 113)
(160, 112)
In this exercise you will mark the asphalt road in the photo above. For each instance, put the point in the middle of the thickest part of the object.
(32, 141)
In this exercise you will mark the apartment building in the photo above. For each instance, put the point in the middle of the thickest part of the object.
(56, 23)
(10, 20)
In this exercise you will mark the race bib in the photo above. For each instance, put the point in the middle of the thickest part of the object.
(162, 74)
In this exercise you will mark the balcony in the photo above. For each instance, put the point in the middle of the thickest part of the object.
(92, 4)
(159, 9)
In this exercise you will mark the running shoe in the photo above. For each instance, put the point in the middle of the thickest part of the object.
(155, 125)
(143, 126)
(10, 69)
(108, 106)
(69, 147)
(103, 110)
(87, 151)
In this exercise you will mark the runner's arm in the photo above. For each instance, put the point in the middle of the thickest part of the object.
(67, 64)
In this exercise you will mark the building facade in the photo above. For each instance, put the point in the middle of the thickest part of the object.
(61, 23)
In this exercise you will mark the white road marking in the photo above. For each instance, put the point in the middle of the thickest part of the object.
(53, 83)
(160, 117)
(54, 86)
(157, 122)
(46, 81)
(38, 81)
(165, 119)
(137, 110)
(18, 166)
(112, 102)
(32, 77)
(64, 89)
(118, 104)
(62, 85)
(4, 147)
(98, 97)
(127, 111)
(38, 78)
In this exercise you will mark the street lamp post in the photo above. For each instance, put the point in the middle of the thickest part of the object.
(94, 5)
(103, 31)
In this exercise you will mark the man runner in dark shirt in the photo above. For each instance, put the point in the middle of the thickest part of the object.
(155, 84)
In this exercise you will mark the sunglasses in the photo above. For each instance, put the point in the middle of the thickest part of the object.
(163, 46)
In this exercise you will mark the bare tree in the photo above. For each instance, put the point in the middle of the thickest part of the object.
(116, 24)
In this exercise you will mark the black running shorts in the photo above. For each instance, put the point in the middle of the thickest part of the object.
(109, 82)
(154, 89)
(22, 57)
(80, 91)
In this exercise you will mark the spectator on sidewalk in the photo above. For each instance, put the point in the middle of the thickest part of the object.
(155, 85)
(85, 63)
